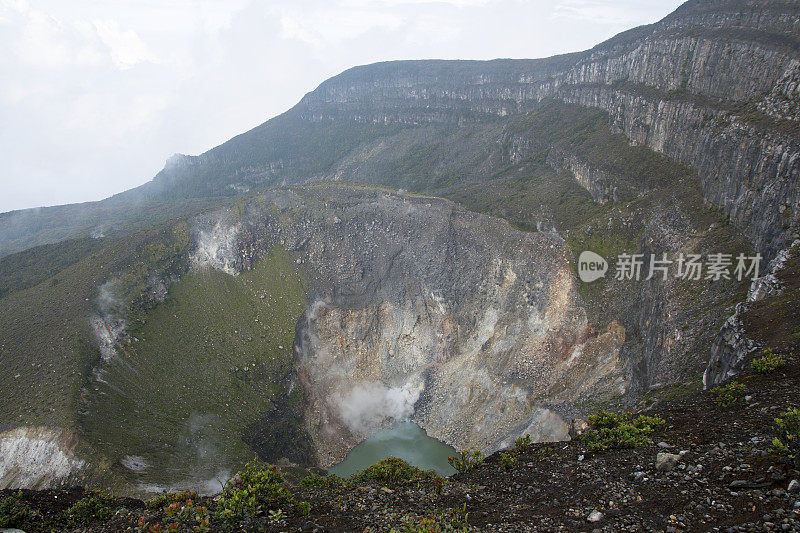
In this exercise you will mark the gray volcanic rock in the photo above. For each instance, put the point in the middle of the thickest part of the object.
(424, 310)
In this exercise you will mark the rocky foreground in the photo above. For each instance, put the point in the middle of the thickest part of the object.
(710, 468)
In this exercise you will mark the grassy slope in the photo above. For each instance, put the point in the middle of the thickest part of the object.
(26, 269)
(206, 363)
(46, 346)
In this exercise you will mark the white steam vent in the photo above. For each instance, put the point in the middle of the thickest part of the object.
(217, 248)
(36, 457)
(368, 407)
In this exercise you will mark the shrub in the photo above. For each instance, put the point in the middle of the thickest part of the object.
(522, 442)
(96, 506)
(180, 507)
(255, 491)
(787, 443)
(729, 394)
(451, 520)
(13, 511)
(466, 461)
(277, 516)
(607, 430)
(393, 470)
(767, 363)
(508, 461)
(167, 498)
(315, 480)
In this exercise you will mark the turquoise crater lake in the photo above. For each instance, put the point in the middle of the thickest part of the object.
(406, 441)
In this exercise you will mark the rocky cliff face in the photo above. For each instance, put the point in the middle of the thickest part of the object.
(713, 87)
(423, 310)
(733, 344)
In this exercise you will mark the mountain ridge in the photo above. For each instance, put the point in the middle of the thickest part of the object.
(269, 153)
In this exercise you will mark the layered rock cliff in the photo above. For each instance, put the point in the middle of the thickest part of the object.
(712, 86)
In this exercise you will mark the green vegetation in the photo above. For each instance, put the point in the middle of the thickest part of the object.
(255, 491)
(522, 442)
(767, 363)
(466, 461)
(168, 498)
(787, 443)
(46, 331)
(509, 461)
(205, 364)
(315, 480)
(729, 394)
(393, 471)
(14, 512)
(608, 430)
(161, 256)
(450, 520)
(672, 391)
(587, 132)
(96, 506)
(35, 265)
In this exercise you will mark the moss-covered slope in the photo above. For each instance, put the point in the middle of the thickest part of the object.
(205, 364)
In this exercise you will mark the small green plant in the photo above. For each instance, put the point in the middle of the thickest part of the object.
(451, 520)
(767, 363)
(95, 506)
(522, 442)
(203, 525)
(438, 484)
(729, 394)
(255, 491)
(14, 511)
(393, 470)
(509, 461)
(315, 480)
(167, 498)
(466, 461)
(608, 430)
(787, 443)
(277, 517)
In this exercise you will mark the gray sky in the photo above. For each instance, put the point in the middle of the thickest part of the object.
(96, 94)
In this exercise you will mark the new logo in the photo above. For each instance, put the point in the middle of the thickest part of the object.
(591, 266)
